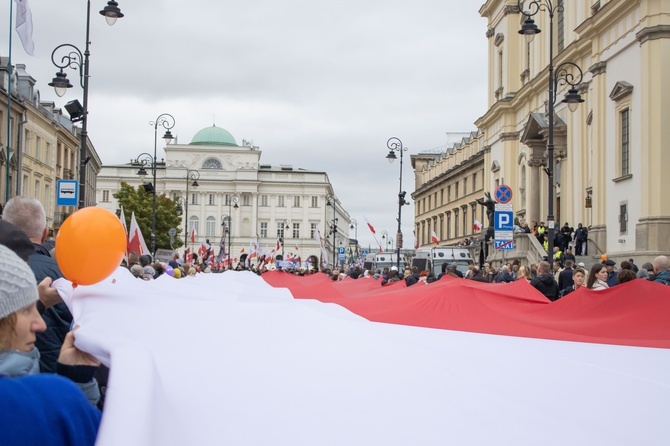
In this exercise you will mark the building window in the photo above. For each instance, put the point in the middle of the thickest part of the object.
(211, 163)
(280, 229)
(47, 195)
(315, 201)
(105, 195)
(465, 221)
(210, 226)
(448, 225)
(280, 201)
(264, 229)
(296, 201)
(442, 197)
(38, 147)
(194, 199)
(246, 199)
(474, 215)
(24, 187)
(37, 189)
(474, 181)
(465, 186)
(192, 224)
(264, 200)
(560, 32)
(455, 223)
(312, 229)
(625, 142)
(448, 193)
(296, 230)
(456, 190)
(623, 218)
(210, 199)
(47, 155)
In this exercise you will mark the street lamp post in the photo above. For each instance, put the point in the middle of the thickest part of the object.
(167, 121)
(285, 225)
(385, 236)
(330, 201)
(191, 175)
(354, 226)
(557, 76)
(226, 223)
(232, 204)
(144, 160)
(76, 61)
(395, 145)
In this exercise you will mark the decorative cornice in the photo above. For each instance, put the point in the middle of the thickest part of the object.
(653, 33)
(490, 33)
(598, 68)
(509, 136)
(511, 9)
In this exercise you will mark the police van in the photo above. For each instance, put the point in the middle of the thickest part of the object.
(381, 260)
(432, 259)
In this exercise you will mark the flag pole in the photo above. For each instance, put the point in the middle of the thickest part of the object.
(9, 102)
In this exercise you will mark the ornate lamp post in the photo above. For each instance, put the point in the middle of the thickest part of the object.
(75, 60)
(354, 226)
(557, 77)
(191, 175)
(385, 236)
(144, 160)
(285, 225)
(395, 145)
(330, 201)
(232, 204)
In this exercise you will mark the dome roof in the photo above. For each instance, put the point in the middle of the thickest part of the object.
(213, 136)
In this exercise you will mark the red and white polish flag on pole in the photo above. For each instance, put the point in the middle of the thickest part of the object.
(135, 239)
(433, 238)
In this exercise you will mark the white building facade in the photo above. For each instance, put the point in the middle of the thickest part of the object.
(273, 202)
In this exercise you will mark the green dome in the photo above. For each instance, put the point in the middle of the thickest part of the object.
(213, 136)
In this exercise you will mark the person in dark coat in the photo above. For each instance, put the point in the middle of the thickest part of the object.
(477, 276)
(611, 273)
(504, 276)
(565, 279)
(544, 282)
(27, 214)
(413, 278)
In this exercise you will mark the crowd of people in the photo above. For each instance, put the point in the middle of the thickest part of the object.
(39, 361)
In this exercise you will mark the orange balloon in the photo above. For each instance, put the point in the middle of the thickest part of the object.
(90, 245)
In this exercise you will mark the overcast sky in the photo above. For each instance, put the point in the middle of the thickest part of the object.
(319, 85)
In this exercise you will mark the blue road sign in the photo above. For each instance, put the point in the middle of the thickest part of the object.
(340, 251)
(67, 193)
(504, 244)
(503, 193)
(503, 221)
(364, 252)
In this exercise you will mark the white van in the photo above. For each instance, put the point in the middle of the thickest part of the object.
(383, 260)
(433, 258)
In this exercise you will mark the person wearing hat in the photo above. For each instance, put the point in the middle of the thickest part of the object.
(611, 274)
(20, 322)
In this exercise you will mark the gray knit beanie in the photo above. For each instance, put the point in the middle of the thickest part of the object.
(18, 287)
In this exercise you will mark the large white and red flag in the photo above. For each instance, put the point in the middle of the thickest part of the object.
(500, 356)
(135, 239)
(193, 234)
(433, 238)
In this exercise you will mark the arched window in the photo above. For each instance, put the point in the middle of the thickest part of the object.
(192, 223)
(211, 163)
(210, 226)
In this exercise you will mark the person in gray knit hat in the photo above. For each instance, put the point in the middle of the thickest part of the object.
(20, 321)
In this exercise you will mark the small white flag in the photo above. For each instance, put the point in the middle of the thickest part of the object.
(24, 25)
